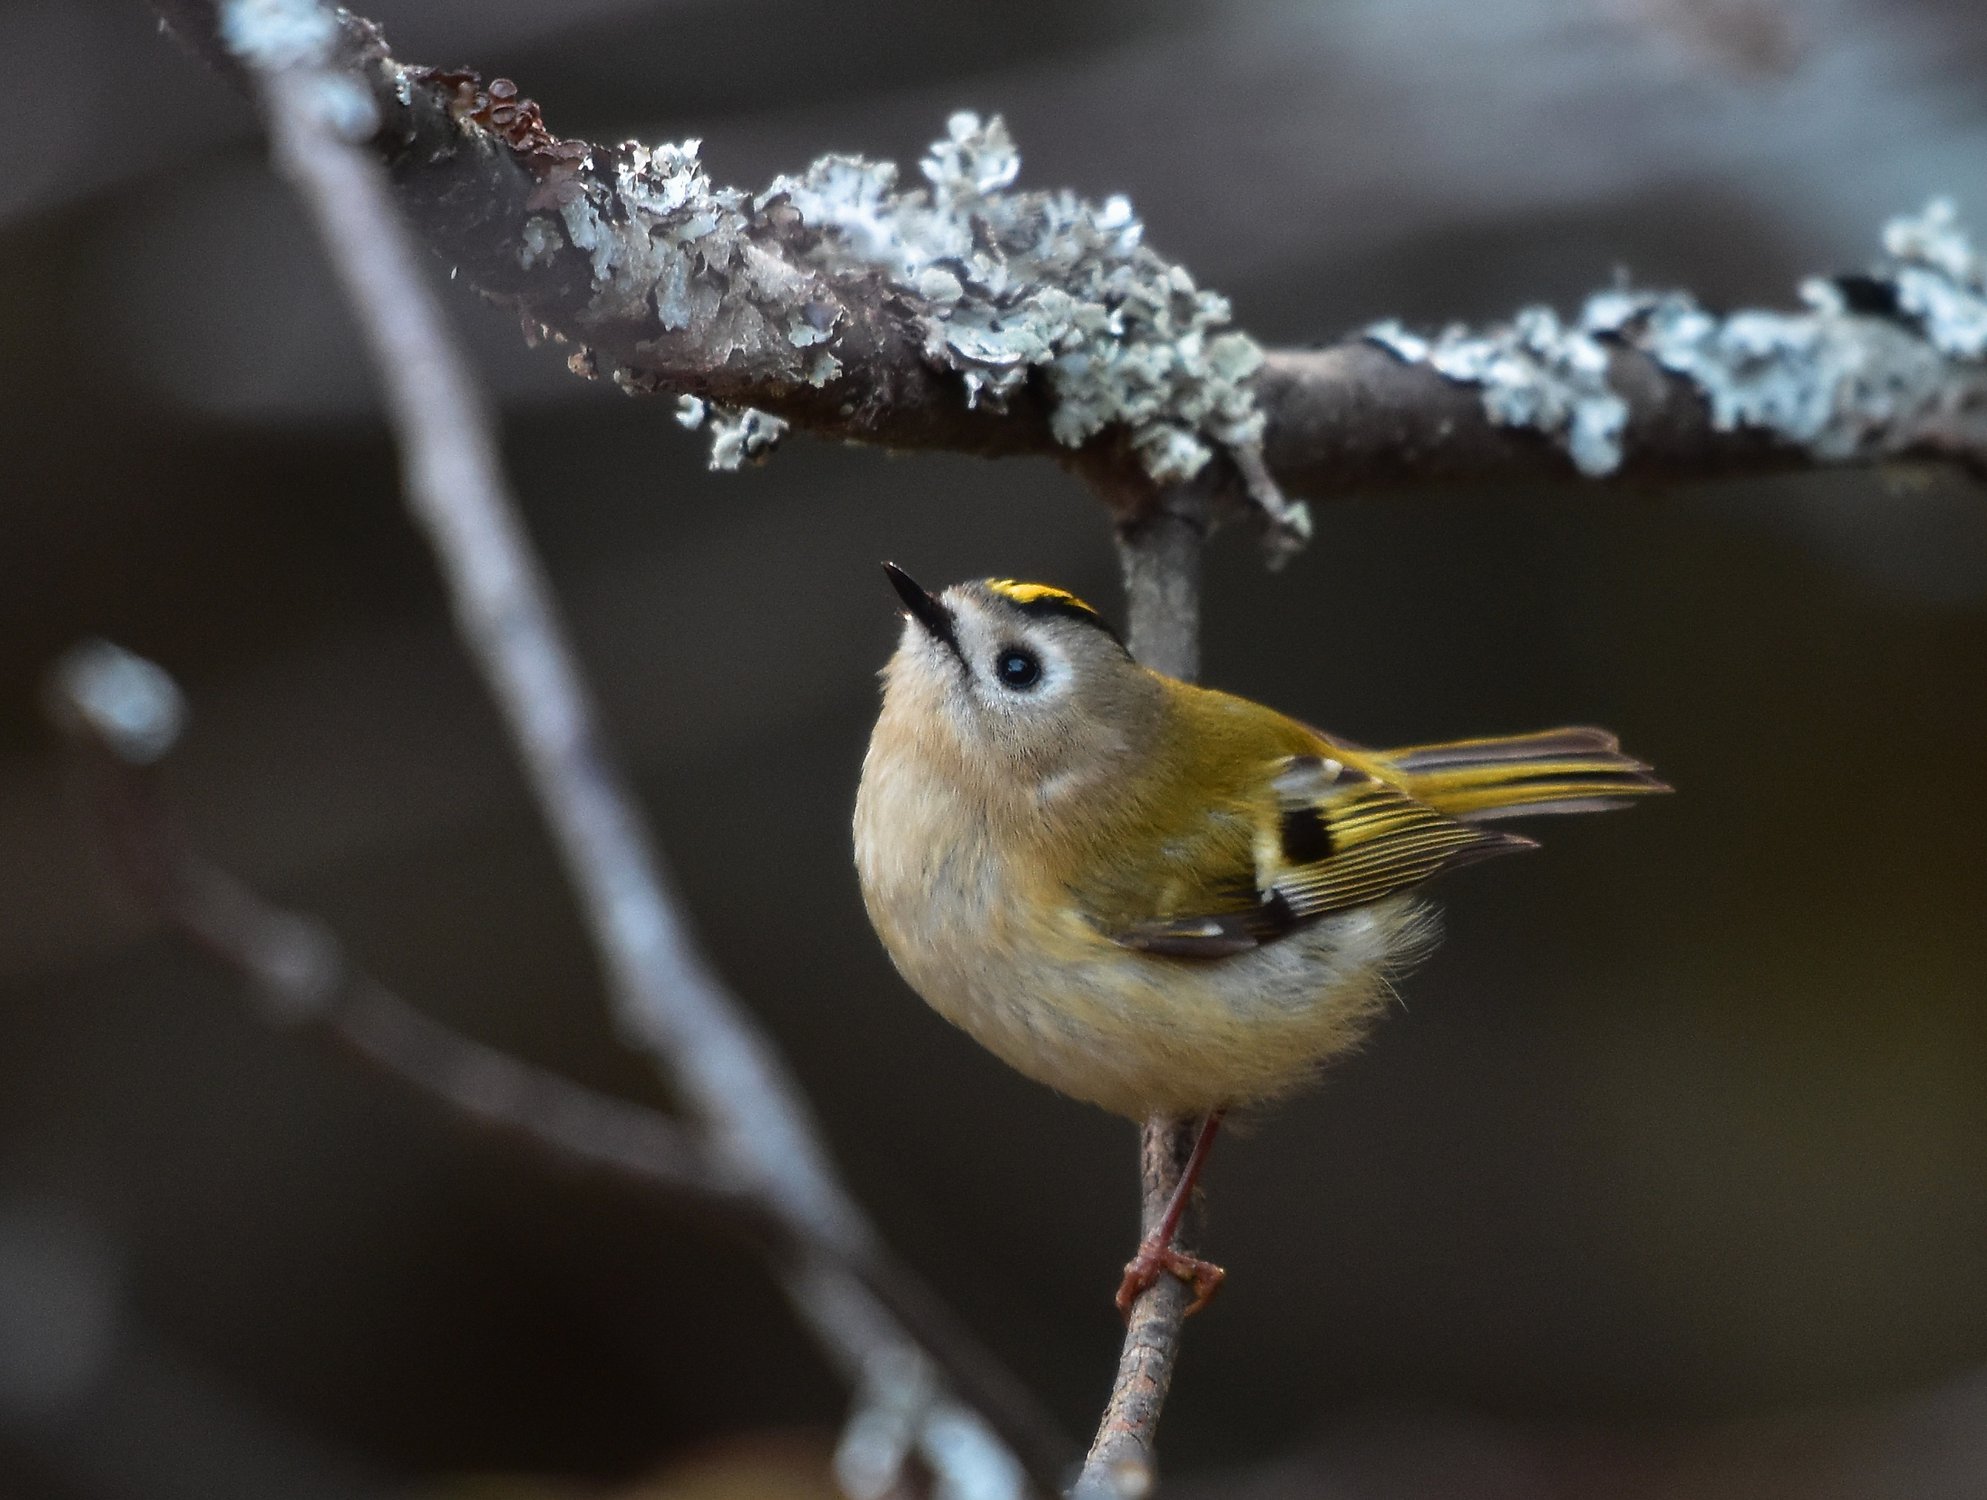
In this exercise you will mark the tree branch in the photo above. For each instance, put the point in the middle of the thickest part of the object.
(299, 974)
(1161, 558)
(123, 714)
(720, 1067)
(838, 304)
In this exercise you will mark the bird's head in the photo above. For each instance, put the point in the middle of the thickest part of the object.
(1022, 680)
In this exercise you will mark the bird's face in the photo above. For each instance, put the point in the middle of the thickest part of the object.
(1026, 684)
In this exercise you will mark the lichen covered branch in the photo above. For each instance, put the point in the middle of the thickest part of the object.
(1874, 366)
(963, 313)
(968, 315)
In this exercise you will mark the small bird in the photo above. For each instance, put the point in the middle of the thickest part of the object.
(1154, 896)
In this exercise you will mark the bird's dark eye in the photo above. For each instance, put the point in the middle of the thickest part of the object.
(1017, 668)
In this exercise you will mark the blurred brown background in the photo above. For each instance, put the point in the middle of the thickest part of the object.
(1684, 1130)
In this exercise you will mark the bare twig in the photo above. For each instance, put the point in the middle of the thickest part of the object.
(751, 1121)
(1161, 555)
(299, 974)
(1122, 1464)
(123, 714)
(721, 1068)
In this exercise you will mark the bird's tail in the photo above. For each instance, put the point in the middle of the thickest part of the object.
(1557, 771)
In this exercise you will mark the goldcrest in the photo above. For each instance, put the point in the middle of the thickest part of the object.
(1150, 895)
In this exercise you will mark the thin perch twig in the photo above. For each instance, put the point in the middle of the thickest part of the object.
(1161, 558)
(750, 1117)
(1123, 1462)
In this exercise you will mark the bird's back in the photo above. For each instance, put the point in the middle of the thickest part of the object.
(1183, 832)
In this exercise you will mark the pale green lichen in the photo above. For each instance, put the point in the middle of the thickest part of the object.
(665, 216)
(739, 435)
(1938, 277)
(742, 436)
(1838, 384)
(1006, 287)
(538, 240)
(1863, 369)
(822, 367)
(1020, 284)
(1535, 372)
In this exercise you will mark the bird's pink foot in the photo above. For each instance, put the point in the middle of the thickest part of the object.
(1156, 1259)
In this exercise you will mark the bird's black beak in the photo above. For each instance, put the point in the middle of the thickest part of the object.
(923, 607)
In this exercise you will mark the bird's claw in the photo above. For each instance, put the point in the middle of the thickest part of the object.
(1154, 1260)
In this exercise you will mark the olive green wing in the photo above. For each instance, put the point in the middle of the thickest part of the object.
(1333, 837)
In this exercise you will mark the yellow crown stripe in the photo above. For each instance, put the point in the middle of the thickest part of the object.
(1036, 593)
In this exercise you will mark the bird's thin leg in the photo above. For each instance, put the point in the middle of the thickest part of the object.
(1156, 1254)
